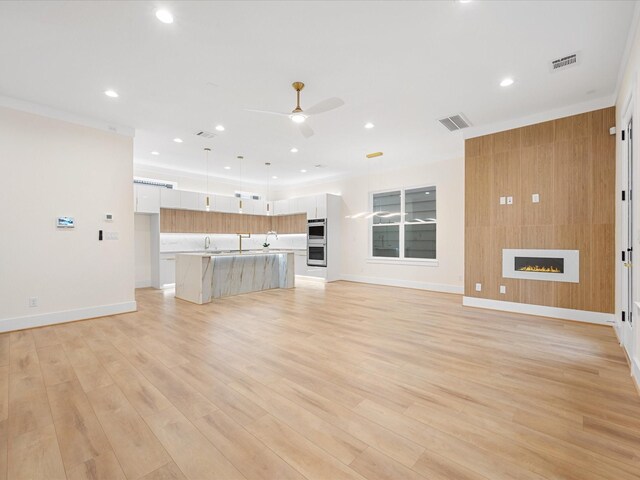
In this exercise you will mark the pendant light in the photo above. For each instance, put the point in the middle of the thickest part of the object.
(240, 157)
(267, 164)
(207, 203)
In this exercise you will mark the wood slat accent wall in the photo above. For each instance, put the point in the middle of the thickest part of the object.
(570, 162)
(191, 221)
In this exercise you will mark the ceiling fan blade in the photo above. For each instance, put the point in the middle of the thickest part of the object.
(305, 130)
(324, 106)
(266, 111)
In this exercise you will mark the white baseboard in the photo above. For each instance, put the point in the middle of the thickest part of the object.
(315, 279)
(635, 373)
(31, 321)
(541, 310)
(393, 282)
(143, 283)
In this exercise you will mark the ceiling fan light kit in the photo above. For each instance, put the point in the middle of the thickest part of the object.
(299, 116)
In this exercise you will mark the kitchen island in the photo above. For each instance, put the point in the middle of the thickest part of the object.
(201, 277)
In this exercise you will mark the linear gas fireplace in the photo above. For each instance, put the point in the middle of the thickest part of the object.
(549, 265)
(539, 264)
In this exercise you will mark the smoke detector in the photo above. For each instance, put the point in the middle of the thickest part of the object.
(565, 62)
(205, 134)
(455, 122)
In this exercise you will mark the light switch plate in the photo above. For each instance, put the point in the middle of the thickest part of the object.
(503, 200)
(509, 200)
(535, 198)
(503, 289)
(478, 287)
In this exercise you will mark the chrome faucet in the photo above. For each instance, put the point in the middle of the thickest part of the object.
(240, 237)
(270, 232)
(207, 243)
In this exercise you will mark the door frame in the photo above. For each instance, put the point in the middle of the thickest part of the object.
(625, 306)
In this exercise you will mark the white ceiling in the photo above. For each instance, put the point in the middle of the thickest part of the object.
(400, 65)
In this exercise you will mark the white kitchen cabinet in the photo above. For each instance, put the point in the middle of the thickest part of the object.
(321, 206)
(260, 207)
(296, 205)
(282, 207)
(300, 259)
(202, 202)
(189, 200)
(249, 206)
(167, 269)
(169, 198)
(147, 198)
(309, 206)
(226, 204)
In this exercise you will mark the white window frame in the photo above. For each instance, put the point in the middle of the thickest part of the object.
(401, 260)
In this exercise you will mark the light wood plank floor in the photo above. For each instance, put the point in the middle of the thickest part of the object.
(321, 382)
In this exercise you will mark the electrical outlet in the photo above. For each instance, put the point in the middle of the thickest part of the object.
(503, 289)
(33, 302)
(503, 200)
(478, 287)
(535, 198)
(509, 200)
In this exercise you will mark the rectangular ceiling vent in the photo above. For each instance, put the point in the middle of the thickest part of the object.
(564, 62)
(455, 122)
(247, 195)
(204, 134)
(154, 183)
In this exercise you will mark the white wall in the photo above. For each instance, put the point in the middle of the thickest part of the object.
(142, 250)
(448, 176)
(52, 168)
(628, 101)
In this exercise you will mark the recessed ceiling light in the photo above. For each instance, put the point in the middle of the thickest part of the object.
(506, 82)
(464, 1)
(164, 16)
(274, 177)
(220, 128)
(177, 140)
(369, 125)
(111, 93)
(294, 150)
(303, 171)
(227, 168)
(155, 153)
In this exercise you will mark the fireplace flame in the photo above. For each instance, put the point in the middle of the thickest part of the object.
(536, 268)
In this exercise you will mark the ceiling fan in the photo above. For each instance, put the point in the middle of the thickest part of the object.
(298, 116)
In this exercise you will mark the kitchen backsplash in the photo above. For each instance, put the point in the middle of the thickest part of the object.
(183, 242)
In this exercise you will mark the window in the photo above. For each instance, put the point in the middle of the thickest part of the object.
(404, 223)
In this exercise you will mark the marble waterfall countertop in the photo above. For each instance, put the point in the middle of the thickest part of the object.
(201, 277)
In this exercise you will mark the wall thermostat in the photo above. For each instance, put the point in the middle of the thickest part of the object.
(108, 217)
(65, 222)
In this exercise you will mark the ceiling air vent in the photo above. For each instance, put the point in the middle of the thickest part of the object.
(564, 62)
(204, 134)
(455, 122)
